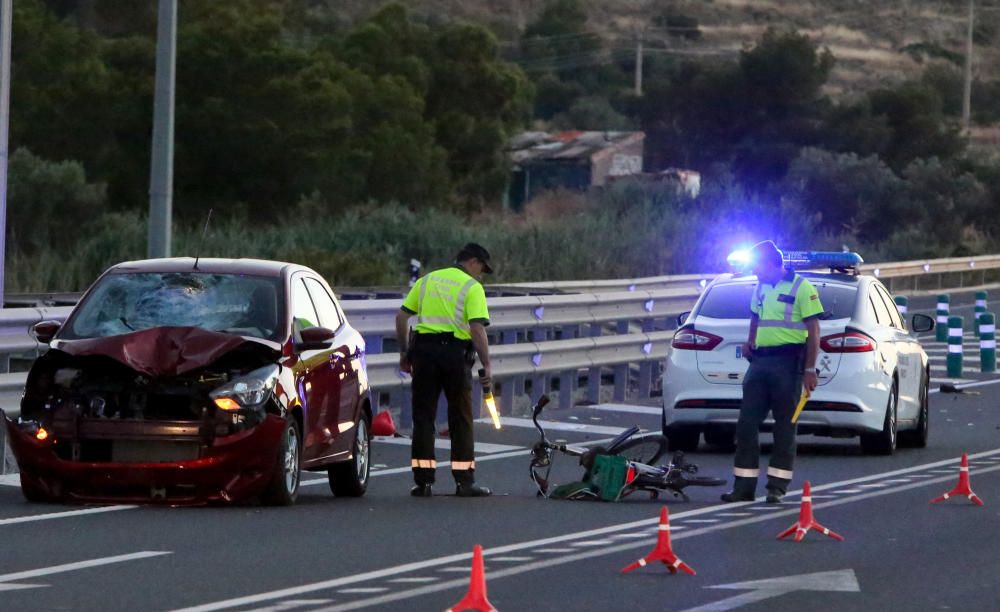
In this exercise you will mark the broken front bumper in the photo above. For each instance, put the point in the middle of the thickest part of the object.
(233, 468)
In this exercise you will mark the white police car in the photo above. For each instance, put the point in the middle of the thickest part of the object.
(873, 374)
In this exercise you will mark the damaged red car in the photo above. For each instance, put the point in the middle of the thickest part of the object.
(186, 381)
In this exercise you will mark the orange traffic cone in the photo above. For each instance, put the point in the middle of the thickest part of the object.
(475, 599)
(963, 488)
(806, 520)
(662, 551)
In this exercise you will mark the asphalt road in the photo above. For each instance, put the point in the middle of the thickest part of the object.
(389, 551)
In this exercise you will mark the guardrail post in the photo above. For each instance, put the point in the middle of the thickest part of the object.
(566, 380)
(405, 407)
(987, 342)
(622, 370)
(646, 367)
(980, 305)
(594, 373)
(943, 308)
(902, 303)
(955, 347)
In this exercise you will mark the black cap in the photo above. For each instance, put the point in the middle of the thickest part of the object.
(479, 252)
(766, 251)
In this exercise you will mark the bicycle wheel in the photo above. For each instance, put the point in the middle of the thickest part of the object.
(643, 449)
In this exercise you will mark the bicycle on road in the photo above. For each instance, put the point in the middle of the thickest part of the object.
(624, 466)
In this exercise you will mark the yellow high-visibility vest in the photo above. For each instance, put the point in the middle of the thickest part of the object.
(447, 300)
(783, 309)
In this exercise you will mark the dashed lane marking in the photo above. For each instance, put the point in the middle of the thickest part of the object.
(414, 580)
(61, 515)
(574, 553)
(363, 590)
(556, 426)
(629, 409)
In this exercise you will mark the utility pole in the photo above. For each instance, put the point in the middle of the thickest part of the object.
(161, 170)
(6, 17)
(638, 62)
(967, 84)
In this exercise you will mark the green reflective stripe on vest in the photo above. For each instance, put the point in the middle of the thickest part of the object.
(781, 322)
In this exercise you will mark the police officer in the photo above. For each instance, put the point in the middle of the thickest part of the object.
(784, 337)
(450, 306)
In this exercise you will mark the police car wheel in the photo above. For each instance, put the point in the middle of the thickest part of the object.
(683, 438)
(722, 438)
(884, 442)
(350, 478)
(917, 438)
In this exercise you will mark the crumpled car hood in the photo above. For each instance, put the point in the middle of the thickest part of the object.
(160, 351)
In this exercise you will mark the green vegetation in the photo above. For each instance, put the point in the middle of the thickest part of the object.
(353, 147)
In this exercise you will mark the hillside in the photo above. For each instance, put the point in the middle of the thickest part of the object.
(874, 41)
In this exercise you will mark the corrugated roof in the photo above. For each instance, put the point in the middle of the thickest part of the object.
(568, 145)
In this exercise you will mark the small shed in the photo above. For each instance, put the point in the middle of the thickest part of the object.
(570, 160)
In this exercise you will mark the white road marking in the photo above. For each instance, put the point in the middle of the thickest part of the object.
(557, 426)
(715, 520)
(574, 554)
(847, 491)
(873, 485)
(459, 570)
(629, 409)
(60, 515)
(511, 559)
(292, 604)
(10, 480)
(79, 565)
(364, 590)
(414, 579)
(588, 543)
(732, 514)
(629, 536)
(556, 551)
(760, 590)
(442, 444)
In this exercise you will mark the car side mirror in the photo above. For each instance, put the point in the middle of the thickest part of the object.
(44, 331)
(921, 323)
(682, 318)
(315, 339)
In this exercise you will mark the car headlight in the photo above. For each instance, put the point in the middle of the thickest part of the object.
(248, 390)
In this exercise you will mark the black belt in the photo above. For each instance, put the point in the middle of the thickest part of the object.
(781, 349)
(441, 338)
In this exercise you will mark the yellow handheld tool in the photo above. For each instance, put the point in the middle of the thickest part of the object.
(802, 404)
(491, 404)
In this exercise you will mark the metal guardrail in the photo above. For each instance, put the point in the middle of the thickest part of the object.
(540, 337)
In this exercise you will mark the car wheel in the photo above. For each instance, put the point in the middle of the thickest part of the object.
(721, 438)
(884, 442)
(284, 486)
(350, 478)
(683, 438)
(917, 438)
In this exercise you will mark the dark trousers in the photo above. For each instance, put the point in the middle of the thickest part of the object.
(441, 363)
(773, 384)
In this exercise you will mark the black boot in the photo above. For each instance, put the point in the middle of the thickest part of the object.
(465, 485)
(423, 478)
(775, 495)
(743, 490)
(421, 490)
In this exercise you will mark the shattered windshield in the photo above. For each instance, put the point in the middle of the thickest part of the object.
(123, 303)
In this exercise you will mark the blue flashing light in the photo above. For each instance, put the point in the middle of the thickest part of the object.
(740, 260)
(834, 260)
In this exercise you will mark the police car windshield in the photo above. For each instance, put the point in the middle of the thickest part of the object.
(732, 300)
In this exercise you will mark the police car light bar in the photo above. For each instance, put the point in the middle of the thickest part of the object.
(834, 260)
